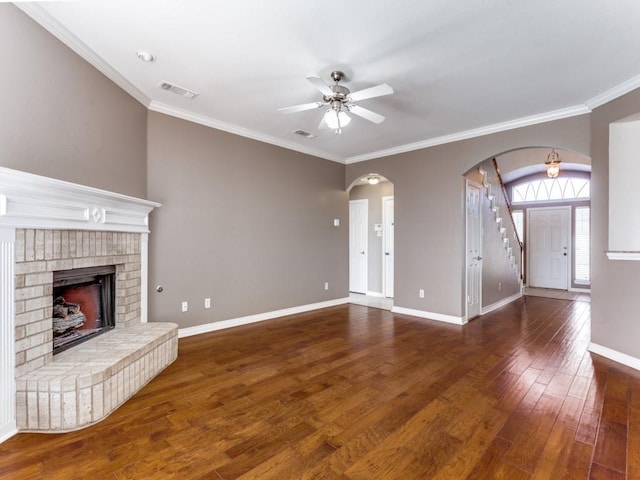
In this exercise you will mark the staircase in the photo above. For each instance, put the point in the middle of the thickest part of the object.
(497, 195)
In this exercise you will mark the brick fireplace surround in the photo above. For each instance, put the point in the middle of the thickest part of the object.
(48, 225)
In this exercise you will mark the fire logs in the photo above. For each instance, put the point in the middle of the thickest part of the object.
(66, 316)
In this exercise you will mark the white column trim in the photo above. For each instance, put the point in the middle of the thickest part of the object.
(8, 425)
(144, 280)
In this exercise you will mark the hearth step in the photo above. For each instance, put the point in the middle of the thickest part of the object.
(83, 385)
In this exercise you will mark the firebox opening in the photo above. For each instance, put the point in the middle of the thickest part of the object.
(83, 305)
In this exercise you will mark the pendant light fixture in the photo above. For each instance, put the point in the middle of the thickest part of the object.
(553, 164)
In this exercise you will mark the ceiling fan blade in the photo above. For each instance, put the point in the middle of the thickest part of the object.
(301, 108)
(377, 91)
(366, 114)
(320, 85)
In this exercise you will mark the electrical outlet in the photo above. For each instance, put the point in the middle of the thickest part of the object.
(326, 285)
(185, 306)
(421, 293)
(207, 303)
(499, 285)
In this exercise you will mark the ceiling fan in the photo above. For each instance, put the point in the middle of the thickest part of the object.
(339, 100)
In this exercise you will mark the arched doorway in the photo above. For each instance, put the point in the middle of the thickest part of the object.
(371, 241)
(506, 222)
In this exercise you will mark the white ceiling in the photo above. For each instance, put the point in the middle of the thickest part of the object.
(458, 68)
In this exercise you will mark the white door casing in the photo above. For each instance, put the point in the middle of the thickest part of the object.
(358, 246)
(473, 248)
(388, 255)
(548, 247)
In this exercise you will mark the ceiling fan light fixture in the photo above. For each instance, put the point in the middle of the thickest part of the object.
(336, 119)
(553, 164)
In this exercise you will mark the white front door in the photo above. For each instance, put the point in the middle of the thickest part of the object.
(387, 246)
(474, 249)
(358, 221)
(548, 247)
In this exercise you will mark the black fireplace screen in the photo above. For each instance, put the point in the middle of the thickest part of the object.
(83, 305)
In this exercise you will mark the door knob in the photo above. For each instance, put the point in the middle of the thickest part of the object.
(386, 253)
(361, 253)
(477, 258)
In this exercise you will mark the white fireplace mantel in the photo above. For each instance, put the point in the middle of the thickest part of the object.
(29, 201)
(34, 201)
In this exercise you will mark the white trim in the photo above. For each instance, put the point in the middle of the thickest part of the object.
(375, 294)
(613, 93)
(235, 129)
(476, 132)
(614, 355)
(633, 256)
(385, 235)
(500, 303)
(260, 317)
(440, 317)
(144, 277)
(34, 201)
(41, 16)
(8, 423)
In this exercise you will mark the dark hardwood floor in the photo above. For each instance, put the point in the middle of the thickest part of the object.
(358, 393)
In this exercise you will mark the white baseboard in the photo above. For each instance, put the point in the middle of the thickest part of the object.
(7, 431)
(614, 355)
(260, 317)
(375, 294)
(430, 315)
(501, 303)
(580, 290)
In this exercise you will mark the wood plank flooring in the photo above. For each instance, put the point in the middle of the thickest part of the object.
(357, 393)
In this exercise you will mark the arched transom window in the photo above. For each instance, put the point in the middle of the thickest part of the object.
(552, 189)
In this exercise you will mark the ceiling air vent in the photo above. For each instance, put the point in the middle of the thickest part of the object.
(183, 92)
(304, 133)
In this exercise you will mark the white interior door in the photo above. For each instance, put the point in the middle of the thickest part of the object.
(387, 246)
(474, 249)
(358, 222)
(548, 247)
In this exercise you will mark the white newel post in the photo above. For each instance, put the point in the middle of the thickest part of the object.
(8, 425)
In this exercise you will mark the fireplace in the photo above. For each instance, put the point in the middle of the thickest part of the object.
(83, 305)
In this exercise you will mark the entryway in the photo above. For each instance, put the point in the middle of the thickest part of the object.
(371, 242)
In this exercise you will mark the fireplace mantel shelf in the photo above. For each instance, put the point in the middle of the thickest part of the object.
(33, 201)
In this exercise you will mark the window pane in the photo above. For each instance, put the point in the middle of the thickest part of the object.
(551, 189)
(518, 221)
(582, 221)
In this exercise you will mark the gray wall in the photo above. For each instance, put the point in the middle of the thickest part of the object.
(266, 210)
(243, 222)
(374, 194)
(62, 118)
(614, 283)
(429, 207)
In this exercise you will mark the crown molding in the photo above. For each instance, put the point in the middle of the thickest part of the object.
(44, 19)
(235, 129)
(613, 93)
(476, 132)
